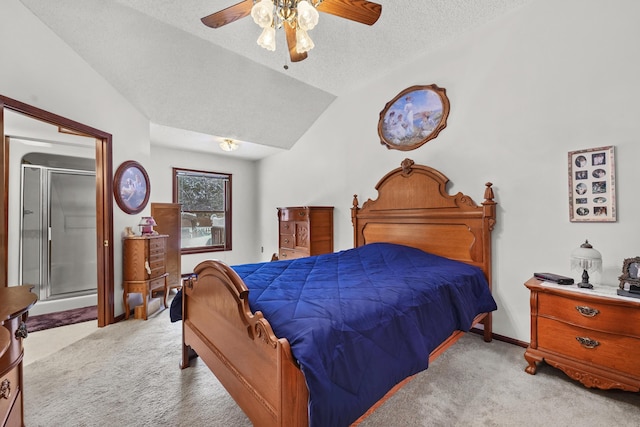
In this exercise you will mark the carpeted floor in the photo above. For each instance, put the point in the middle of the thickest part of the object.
(61, 318)
(128, 374)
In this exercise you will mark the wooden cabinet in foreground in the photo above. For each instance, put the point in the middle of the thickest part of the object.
(14, 309)
(592, 336)
(305, 231)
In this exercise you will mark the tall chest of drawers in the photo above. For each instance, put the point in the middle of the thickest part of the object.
(16, 302)
(305, 231)
(592, 337)
(144, 268)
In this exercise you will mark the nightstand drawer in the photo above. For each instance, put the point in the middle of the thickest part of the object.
(598, 315)
(590, 347)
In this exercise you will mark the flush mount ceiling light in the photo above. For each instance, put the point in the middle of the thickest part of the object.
(296, 16)
(229, 145)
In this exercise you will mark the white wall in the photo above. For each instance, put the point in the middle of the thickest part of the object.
(39, 69)
(245, 247)
(551, 77)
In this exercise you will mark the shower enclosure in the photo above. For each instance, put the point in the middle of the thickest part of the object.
(58, 230)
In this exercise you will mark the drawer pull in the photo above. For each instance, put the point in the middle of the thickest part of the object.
(22, 331)
(587, 342)
(286, 240)
(283, 255)
(587, 311)
(301, 213)
(5, 389)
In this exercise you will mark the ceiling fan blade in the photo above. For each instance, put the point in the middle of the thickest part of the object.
(228, 15)
(291, 43)
(362, 11)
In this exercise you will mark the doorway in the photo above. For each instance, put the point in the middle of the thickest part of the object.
(103, 198)
(58, 231)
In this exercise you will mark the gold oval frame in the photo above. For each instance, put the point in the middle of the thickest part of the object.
(426, 117)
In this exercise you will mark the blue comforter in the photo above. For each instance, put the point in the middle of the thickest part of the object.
(361, 320)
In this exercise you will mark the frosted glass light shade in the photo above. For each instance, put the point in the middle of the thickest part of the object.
(228, 145)
(267, 39)
(307, 16)
(262, 13)
(587, 259)
(303, 41)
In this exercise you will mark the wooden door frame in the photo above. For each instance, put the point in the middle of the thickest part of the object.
(104, 200)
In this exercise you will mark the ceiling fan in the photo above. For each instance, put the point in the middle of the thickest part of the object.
(297, 17)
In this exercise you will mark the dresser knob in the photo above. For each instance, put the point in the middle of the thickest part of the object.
(587, 311)
(587, 342)
(5, 389)
(21, 332)
(286, 240)
(283, 255)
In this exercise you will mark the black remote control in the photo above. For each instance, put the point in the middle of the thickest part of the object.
(556, 278)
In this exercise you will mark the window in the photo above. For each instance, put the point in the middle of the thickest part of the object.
(205, 199)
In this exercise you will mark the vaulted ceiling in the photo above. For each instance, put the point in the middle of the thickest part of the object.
(193, 81)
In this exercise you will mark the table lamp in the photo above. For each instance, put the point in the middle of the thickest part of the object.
(588, 260)
(146, 225)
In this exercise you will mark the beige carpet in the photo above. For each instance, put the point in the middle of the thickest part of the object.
(127, 375)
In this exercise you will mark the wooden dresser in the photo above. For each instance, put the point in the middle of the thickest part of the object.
(591, 335)
(144, 269)
(305, 231)
(14, 309)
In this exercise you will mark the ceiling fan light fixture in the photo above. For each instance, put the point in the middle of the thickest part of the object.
(228, 145)
(262, 13)
(267, 39)
(303, 41)
(307, 16)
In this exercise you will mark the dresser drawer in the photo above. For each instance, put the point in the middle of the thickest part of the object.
(291, 254)
(597, 315)
(156, 245)
(10, 386)
(609, 351)
(287, 227)
(294, 214)
(287, 241)
(156, 284)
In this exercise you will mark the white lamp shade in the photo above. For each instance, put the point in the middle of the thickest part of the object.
(262, 13)
(307, 16)
(303, 41)
(267, 39)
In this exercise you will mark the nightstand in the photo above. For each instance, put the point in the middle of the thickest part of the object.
(592, 335)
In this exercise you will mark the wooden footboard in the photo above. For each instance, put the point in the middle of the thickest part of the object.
(240, 348)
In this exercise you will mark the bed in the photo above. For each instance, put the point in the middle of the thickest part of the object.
(281, 381)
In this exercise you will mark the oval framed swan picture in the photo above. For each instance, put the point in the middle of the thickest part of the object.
(131, 187)
(416, 115)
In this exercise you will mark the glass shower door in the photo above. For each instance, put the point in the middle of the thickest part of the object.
(58, 247)
(72, 233)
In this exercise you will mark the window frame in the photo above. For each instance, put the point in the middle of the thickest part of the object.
(227, 212)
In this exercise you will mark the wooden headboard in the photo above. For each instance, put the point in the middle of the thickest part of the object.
(413, 208)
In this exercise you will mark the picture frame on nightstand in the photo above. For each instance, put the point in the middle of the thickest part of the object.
(630, 273)
(592, 195)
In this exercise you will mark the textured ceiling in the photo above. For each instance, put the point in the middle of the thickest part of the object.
(185, 76)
